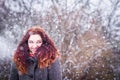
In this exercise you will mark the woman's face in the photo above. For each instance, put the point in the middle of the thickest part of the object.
(34, 42)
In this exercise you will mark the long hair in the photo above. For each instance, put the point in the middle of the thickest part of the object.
(46, 54)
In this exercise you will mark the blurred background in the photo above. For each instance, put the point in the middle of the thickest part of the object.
(86, 33)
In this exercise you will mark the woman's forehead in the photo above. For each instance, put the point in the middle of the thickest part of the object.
(35, 37)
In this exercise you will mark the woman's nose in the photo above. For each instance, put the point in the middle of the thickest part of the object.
(35, 46)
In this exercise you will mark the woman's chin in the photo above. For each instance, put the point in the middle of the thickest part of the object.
(33, 51)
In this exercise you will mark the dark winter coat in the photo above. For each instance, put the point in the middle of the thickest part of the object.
(53, 72)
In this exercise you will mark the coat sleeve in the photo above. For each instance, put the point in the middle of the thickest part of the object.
(13, 72)
(54, 71)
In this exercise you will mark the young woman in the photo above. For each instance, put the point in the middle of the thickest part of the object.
(36, 58)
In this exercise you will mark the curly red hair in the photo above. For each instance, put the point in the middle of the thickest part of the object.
(46, 54)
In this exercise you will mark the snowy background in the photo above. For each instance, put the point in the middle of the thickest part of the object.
(86, 33)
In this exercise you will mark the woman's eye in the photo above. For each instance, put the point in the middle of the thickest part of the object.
(30, 41)
(39, 42)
